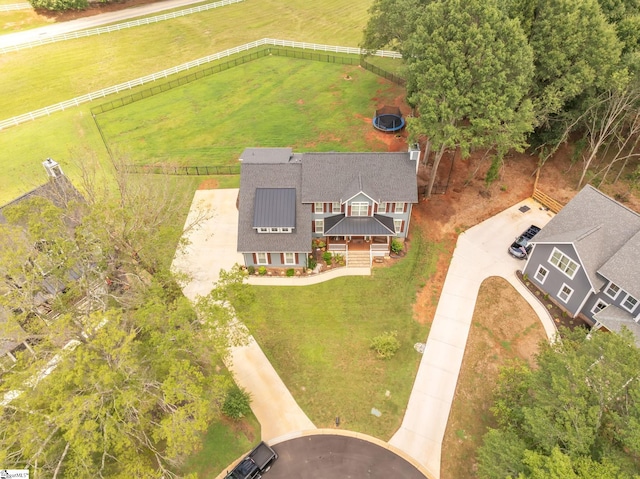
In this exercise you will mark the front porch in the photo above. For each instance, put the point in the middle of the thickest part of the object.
(359, 251)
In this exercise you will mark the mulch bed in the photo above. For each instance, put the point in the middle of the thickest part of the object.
(560, 317)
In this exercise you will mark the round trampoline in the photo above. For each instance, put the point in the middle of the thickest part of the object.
(388, 119)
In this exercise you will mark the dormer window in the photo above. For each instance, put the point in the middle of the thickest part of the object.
(359, 209)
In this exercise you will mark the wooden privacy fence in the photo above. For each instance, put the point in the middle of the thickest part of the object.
(546, 201)
(16, 120)
(113, 28)
(183, 170)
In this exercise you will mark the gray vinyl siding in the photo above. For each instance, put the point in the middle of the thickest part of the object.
(601, 295)
(556, 279)
(275, 260)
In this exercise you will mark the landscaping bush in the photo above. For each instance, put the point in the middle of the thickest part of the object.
(291, 272)
(251, 269)
(326, 256)
(262, 270)
(386, 345)
(396, 246)
(237, 403)
(312, 262)
(59, 5)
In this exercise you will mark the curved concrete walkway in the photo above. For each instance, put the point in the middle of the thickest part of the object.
(480, 252)
(212, 247)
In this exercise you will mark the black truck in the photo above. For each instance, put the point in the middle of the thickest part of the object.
(255, 464)
(521, 247)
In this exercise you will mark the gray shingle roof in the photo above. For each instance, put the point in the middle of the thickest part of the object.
(266, 155)
(623, 268)
(598, 227)
(614, 319)
(60, 191)
(332, 177)
(283, 176)
(376, 225)
(274, 207)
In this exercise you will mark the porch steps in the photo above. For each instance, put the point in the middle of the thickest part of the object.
(358, 259)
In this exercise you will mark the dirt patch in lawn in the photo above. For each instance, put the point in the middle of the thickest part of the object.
(504, 328)
(208, 184)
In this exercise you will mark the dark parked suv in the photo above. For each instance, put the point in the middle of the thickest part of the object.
(521, 247)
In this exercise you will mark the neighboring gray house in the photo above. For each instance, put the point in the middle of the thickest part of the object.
(355, 202)
(587, 258)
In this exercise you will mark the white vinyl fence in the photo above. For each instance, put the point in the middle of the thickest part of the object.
(16, 120)
(15, 6)
(116, 27)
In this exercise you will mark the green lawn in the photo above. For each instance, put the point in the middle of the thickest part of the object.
(224, 442)
(269, 102)
(35, 78)
(317, 338)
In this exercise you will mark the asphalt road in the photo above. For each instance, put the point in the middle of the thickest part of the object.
(338, 457)
(13, 39)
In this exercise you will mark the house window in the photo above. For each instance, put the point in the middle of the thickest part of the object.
(399, 208)
(318, 207)
(612, 290)
(359, 209)
(397, 225)
(262, 258)
(599, 306)
(285, 230)
(263, 230)
(336, 207)
(565, 293)
(289, 258)
(563, 263)
(629, 303)
(382, 207)
(541, 274)
(274, 230)
(319, 226)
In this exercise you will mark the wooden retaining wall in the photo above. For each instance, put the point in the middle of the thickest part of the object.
(547, 201)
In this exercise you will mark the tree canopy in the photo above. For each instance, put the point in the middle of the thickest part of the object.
(123, 374)
(469, 69)
(575, 415)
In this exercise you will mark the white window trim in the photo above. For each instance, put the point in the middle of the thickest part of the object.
(315, 207)
(565, 285)
(360, 205)
(401, 205)
(382, 207)
(293, 259)
(559, 269)
(594, 309)
(606, 290)
(266, 258)
(544, 278)
(336, 207)
(319, 226)
(397, 226)
(634, 306)
(263, 230)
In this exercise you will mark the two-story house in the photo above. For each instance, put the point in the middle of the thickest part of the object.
(352, 201)
(587, 259)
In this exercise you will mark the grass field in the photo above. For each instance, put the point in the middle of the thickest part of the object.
(269, 102)
(45, 75)
(318, 337)
(223, 443)
(504, 328)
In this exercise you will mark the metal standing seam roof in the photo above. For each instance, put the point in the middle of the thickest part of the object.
(376, 225)
(274, 207)
(598, 227)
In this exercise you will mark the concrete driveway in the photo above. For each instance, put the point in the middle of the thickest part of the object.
(212, 247)
(480, 252)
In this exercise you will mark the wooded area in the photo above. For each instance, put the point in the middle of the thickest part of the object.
(508, 75)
